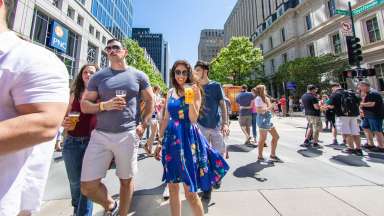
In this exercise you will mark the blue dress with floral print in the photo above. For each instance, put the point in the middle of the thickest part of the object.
(186, 155)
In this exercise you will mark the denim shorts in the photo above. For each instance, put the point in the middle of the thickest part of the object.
(373, 124)
(264, 121)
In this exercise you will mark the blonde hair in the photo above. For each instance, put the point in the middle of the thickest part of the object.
(261, 92)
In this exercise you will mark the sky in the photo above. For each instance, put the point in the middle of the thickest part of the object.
(180, 22)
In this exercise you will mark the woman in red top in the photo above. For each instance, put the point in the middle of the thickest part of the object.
(78, 134)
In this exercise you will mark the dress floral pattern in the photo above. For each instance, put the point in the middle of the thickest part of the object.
(186, 154)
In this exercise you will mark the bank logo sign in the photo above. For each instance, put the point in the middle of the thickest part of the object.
(59, 37)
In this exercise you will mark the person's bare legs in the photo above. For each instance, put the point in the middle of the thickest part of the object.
(369, 136)
(126, 193)
(194, 202)
(349, 140)
(334, 133)
(262, 139)
(380, 139)
(357, 141)
(151, 139)
(275, 138)
(174, 199)
(98, 193)
(245, 131)
(309, 133)
(25, 213)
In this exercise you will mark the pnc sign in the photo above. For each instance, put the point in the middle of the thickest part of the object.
(59, 37)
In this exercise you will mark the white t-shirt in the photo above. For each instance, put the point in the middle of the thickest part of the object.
(28, 74)
(260, 103)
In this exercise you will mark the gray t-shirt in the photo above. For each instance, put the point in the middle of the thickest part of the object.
(105, 83)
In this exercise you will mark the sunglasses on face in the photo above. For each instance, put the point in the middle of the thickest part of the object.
(115, 48)
(181, 73)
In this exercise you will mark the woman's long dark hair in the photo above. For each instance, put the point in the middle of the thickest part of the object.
(172, 74)
(78, 86)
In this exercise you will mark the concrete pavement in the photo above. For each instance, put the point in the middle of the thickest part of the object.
(309, 182)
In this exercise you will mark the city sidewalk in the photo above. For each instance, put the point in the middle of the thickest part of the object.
(310, 182)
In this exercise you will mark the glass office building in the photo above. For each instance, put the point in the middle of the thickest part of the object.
(153, 43)
(115, 15)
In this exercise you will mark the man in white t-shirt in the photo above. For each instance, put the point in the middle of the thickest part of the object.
(33, 99)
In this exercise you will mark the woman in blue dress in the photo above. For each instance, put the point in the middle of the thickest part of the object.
(185, 153)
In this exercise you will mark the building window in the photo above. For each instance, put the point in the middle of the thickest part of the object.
(273, 65)
(373, 30)
(311, 50)
(261, 48)
(57, 3)
(285, 57)
(98, 35)
(91, 29)
(92, 54)
(104, 60)
(270, 42)
(331, 8)
(40, 28)
(71, 12)
(308, 22)
(104, 40)
(283, 35)
(80, 20)
(336, 43)
(379, 68)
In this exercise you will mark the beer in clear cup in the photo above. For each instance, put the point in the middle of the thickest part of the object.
(121, 93)
(73, 118)
(189, 94)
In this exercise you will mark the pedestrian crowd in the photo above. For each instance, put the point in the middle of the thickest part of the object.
(349, 113)
(103, 117)
(106, 112)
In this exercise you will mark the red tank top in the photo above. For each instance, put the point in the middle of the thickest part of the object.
(86, 124)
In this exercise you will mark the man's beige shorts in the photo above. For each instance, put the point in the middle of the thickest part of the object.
(103, 147)
(315, 122)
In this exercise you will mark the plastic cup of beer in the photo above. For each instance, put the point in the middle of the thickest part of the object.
(121, 93)
(189, 94)
(73, 118)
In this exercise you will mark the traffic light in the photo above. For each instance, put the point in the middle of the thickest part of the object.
(354, 50)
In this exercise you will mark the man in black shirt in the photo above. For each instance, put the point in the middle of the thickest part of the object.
(372, 107)
(346, 107)
(312, 113)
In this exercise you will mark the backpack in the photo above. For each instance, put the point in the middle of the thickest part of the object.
(349, 104)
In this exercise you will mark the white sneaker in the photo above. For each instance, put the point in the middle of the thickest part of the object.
(166, 193)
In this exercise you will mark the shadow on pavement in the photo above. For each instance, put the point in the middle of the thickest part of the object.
(350, 160)
(151, 191)
(375, 157)
(241, 148)
(252, 171)
(310, 152)
(154, 206)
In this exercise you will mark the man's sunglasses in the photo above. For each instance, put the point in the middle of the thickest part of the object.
(183, 73)
(115, 48)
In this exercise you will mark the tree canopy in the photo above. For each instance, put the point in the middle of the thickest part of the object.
(136, 58)
(238, 63)
(311, 70)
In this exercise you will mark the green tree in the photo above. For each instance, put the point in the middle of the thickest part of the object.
(136, 58)
(311, 70)
(236, 63)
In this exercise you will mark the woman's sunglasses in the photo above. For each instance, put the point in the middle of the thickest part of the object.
(181, 73)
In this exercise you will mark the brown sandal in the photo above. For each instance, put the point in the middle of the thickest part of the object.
(148, 150)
